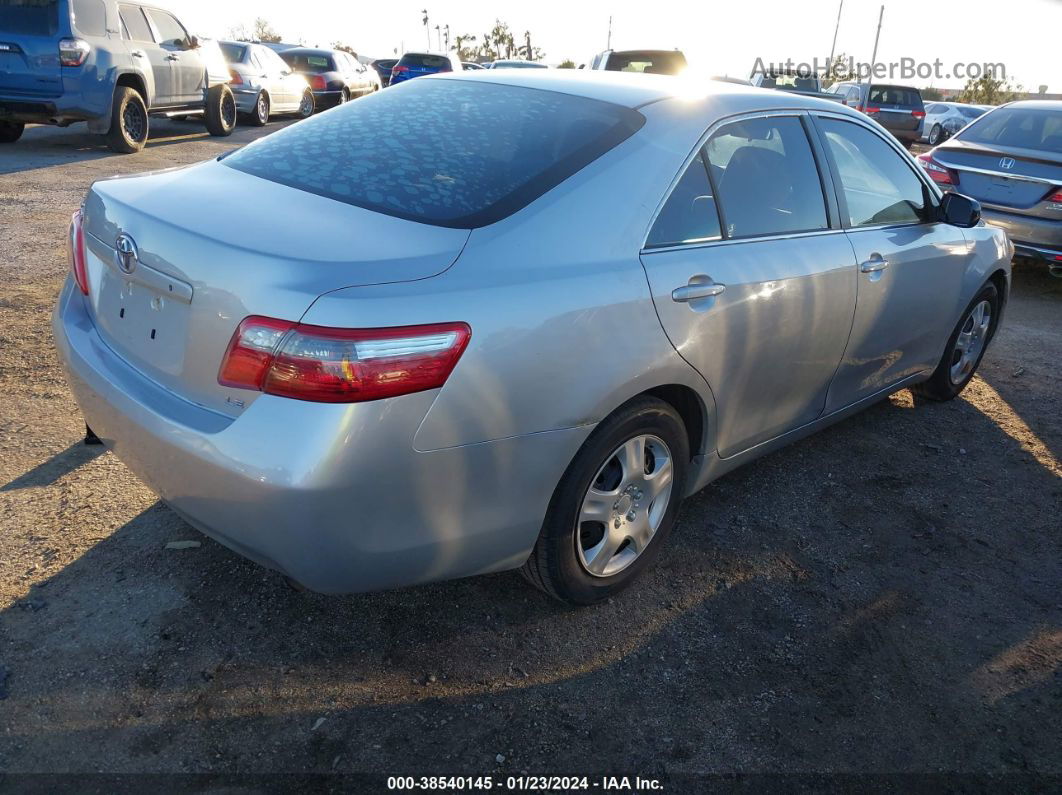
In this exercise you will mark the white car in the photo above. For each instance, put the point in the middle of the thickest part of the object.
(944, 119)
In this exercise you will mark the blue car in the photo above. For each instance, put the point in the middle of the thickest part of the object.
(418, 64)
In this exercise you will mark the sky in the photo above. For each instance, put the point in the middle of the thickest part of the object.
(717, 37)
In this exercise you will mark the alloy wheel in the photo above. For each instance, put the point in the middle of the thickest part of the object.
(624, 506)
(970, 342)
(263, 108)
(133, 121)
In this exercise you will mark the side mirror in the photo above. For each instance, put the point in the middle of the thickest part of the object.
(959, 210)
(193, 42)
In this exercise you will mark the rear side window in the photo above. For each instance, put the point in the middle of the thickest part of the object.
(879, 187)
(134, 24)
(767, 178)
(446, 152)
(690, 214)
(895, 95)
(39, 18)
(171, 33)
(90, 17)
(426, 61)
(1025, 128)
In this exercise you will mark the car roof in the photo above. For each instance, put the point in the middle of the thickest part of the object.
(635, 90)
(1036, 104)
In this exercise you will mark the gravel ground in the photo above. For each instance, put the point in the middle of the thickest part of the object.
(885, 597)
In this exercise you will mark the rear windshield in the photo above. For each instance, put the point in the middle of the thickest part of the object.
(445, 152)
(314, 64)
(658, 63)
(972, 113)
(895, 95)
(429, 61)
(30, 17)
(1026, 128)
(233, 52)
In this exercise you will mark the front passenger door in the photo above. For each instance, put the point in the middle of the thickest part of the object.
(753, 283)
(911, 266)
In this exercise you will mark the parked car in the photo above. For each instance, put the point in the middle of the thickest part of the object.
(383, 67)
(471, 66)
(898, 109)
(418, 64)
(807, 84)
(944, 119)
(657, 62)
(517, 63)
(335, 76)
(376, 375)
(263, 84)
(62, 61)
(1010, 160)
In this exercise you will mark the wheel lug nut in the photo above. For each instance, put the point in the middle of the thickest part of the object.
(630, 516)
(617, 523)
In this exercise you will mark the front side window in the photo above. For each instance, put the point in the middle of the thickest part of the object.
(171, 33)
(766, 176)
(446, 152)
(689, 216)
(879, 187)
(134, 25)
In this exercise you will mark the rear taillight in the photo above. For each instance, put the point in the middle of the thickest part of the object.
(871, 109)
(73, 52)
(318, 83)
(340, 365)
(918, 114)
(1055, 196)
(75, 247)
(236, 78)
(396, 69)
(937, 172)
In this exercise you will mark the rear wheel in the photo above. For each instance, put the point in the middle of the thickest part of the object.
(220, 111)
(966, 347)
(344, 96)
(259, 117)
(10, 131)
(306, 106)
(934, 135)
(615, 505)
(129, 122)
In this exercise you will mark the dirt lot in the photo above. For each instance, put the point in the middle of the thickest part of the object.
(884, 597)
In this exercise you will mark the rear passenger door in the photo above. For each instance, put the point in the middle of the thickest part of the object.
(146, 54)
(753, 279)
(911, 266)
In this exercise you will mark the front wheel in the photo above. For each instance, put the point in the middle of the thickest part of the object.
(934, 135)
(220, 111)
(966, 347)
(306, 106)
(615, 505)
(10, 131)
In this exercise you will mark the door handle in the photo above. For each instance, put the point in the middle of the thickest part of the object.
(691, 292)
(874, 264)
(137, 54)
(172, 58)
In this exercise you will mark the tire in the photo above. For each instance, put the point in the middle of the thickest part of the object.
(130, 124)
(563, 563)
(10, 131)
(344, 96)
(259, 117)
(307, 106)
(934, 135)
(220, 111)
(960, 362)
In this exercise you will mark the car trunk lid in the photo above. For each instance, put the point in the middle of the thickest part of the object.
(1010, 177)
(29, 49)
(176, 259)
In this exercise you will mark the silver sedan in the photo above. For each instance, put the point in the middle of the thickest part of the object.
(509, 320)
(263, 84)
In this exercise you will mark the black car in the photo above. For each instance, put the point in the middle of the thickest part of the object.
(383, 67)
(334, 75)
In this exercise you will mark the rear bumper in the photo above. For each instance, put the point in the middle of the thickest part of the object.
(326, 99)
(334, 496)
(1026, 232)
(246, 99)
(64, 109)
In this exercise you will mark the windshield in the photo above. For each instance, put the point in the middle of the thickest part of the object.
(30, 17)
(1026, 128)
(233, 52)
(445, 152)
(658, 63)
(314, 64)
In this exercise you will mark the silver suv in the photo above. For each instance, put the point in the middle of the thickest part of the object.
(111, 64)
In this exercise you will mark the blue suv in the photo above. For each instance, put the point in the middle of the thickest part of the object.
(111, 64)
